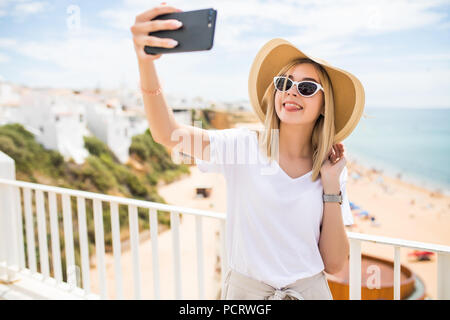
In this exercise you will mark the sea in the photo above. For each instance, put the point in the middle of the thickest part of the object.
(408, 143)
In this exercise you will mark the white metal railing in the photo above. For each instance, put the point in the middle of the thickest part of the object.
(13, 254)
(443, 263)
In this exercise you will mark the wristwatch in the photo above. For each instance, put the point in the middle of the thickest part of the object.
(333, 197)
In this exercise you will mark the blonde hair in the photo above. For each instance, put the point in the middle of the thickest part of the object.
(322, 137)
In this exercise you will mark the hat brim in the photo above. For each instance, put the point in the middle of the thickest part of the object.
(348, 92)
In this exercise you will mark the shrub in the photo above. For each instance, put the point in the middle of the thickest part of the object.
(96, 171)
(138, 147)
(135, 186)
(56, 159)
(152, 178)
(96, 147)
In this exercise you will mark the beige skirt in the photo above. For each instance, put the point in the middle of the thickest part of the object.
(237, 286)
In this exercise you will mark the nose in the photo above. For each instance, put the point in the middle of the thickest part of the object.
(292, 90)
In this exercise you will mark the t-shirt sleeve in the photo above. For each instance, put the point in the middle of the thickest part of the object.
(222, 148)
(345, 206)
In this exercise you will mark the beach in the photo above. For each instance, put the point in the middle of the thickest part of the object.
(181, 193)
(401, 210)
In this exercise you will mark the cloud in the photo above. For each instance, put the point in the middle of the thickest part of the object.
(7, 43)
(412, 88)
(111, 62)
(22, 8)
(242, 24)
(85, 59)
(320, 28)
(4, 58)
(118, 18)
(203, 76)
(29, 8)
(435, 56)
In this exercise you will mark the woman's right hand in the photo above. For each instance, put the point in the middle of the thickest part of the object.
(144, 24)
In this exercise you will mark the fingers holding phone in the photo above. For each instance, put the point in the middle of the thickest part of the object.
(144, 24)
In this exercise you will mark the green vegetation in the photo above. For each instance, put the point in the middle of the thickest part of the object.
(101, 173)
(202, 115)
(27, 153)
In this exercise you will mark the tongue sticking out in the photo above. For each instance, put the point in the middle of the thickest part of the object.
(291, 107)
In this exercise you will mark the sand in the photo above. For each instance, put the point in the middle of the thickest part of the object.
(181, 193)
(401, 210)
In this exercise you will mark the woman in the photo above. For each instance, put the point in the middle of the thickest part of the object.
(285, 226)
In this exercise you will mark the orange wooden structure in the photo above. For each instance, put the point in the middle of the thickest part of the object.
(372, 270)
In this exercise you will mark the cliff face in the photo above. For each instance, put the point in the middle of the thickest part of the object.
(220, 119)
(248, 117)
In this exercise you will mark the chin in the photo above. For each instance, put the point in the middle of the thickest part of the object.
(291, 122)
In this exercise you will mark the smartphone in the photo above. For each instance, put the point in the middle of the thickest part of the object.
(196, 33)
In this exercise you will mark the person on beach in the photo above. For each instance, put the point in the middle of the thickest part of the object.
(287, 204)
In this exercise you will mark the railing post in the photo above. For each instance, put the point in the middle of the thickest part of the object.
(155, 252)
(175, 229)
(200, 263)
(223, 251)
(397, 270)
(134, 242)
(9, 253)
(355, 270)
(443, 276)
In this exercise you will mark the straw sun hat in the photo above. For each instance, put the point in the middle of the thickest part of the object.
(348, 92)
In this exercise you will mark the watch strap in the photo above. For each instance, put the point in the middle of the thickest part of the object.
(332, 197)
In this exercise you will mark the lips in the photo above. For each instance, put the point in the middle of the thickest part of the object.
(292, 106)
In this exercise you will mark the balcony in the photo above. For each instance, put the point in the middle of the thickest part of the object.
(34, 264)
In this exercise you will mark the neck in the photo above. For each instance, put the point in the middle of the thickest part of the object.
(295, 141)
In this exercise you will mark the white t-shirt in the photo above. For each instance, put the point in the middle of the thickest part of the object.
(273, 221)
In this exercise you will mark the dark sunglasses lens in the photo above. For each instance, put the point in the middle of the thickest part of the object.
(280, 83)
(307, 88)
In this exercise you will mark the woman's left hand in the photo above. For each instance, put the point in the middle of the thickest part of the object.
(331, 169)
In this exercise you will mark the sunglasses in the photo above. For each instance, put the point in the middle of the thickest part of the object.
(305, 88)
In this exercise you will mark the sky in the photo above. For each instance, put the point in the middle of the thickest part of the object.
(398, 49)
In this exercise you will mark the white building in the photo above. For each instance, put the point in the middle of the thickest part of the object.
(60, 118)
(9, 95)
(181, 107)
(115, 127)
(9, 101)
(182, 115)
(57, 120)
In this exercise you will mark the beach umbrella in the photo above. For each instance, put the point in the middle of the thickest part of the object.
(420, 253)
(353, 206)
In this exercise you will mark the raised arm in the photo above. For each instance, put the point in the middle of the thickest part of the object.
(162, 124)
